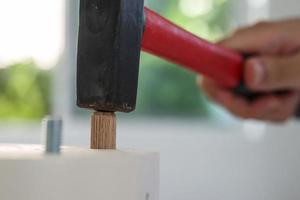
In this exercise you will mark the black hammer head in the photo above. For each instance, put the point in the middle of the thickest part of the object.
(109, 45)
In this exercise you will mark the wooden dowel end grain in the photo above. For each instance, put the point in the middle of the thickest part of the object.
(103, 133)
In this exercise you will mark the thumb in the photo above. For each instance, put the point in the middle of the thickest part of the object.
(269, 73)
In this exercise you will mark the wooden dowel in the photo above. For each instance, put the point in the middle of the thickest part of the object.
(103, 133)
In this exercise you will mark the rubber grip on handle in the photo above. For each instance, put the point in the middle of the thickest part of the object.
(168, 41)
(242, 90)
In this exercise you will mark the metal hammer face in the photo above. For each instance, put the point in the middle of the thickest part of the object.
(110, 33)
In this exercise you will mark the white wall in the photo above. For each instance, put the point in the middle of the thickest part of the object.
(284, 8)
(250, 11)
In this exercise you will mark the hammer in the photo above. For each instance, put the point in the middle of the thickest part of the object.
(111, 36)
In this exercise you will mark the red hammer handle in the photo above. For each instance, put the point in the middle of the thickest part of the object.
(166, 40)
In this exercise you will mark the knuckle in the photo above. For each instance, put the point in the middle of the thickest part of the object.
(262, 24)
(258, 25)
(238, 32)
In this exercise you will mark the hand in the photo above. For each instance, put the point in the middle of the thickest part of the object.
(276, 66)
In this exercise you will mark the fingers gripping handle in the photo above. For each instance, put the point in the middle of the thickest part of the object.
(164, 39)
(168, 41)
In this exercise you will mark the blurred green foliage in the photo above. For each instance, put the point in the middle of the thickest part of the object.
(168, 89)
(24, 92)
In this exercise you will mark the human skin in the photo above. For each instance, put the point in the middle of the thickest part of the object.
(275, 66)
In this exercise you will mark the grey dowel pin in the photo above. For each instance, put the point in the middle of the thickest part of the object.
(52, 133)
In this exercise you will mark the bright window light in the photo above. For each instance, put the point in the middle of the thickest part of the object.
(254, 130)
(31, 29)
(257, 3)
(195, 8)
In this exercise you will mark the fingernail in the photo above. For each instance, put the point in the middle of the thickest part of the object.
(199, 79)
(258, 72)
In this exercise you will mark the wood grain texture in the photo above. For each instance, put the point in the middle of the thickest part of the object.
(103, 133)
(109, 41)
